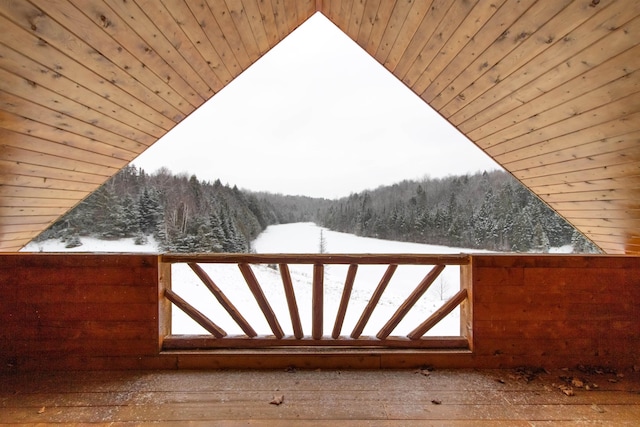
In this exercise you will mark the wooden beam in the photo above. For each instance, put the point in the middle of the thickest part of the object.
(344, 300)
(377, 259)
(373, 301)
(317, 302)
(223, 300)
(291, 301)
(193, 313)
(256, 290)
(411, 300)
(438, 315)
(188, 342)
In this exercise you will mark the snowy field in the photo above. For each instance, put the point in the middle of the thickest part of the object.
(305, 238)
(302, 238)
(91, 245)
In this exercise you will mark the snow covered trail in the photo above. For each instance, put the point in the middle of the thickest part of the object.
(305, 238)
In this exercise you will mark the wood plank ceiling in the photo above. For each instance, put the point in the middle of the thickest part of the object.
(548, 88)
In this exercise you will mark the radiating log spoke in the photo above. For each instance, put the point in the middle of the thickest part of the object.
(291, 301)
(373, 302)
(438, 315)
(223, 300)
(402, 311)
(193, 313)
(264, 305)
(344, 301)
(317, 302)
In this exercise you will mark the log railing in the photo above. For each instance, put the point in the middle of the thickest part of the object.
(276, 337)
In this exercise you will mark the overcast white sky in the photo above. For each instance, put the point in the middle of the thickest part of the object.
(316, 116)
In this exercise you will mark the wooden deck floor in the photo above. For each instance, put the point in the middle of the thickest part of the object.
(325, 398)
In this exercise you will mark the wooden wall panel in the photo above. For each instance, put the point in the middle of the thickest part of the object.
(80, 307)
(70, 29)
(549, 309)
(470, 41)
(393, 29)
(534, 57)
(102, 312)
(549, 89)
(37, 48)
(125, 38)
(574, 92)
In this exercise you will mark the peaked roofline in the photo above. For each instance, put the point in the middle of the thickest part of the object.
(548, 89)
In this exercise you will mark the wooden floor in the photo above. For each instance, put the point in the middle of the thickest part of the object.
(326, 398)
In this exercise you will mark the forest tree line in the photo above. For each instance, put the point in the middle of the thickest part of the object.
(184, 214)
(490, 210)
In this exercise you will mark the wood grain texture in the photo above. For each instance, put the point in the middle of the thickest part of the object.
(262, 301)
(194, 314)
(292, 304)
(324, 398)
(379, 259)
(344, 300)
(535, 84)
(53, 306)
(203, 342)
(317, 302)
(373, 301)
(103, 312)
(411, 300)
(223, 300)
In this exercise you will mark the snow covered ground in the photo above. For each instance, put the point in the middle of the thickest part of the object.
(91, 245)
(305, 238)
(301, 238)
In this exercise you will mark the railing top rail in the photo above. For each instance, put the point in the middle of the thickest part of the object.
(373, 259)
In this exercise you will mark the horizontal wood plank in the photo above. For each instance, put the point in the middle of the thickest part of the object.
(227, 258)
(460, 398)
(520, 70)
(43, 173)
(61, 16)
(177, 342)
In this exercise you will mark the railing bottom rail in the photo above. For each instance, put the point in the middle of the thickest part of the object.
(202, 342)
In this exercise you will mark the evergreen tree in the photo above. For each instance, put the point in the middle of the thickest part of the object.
(107, 216)
(522, 232)
(582, 245)
(484, 223)
(149, 211)
(540, 241)
(130, 225)
(489, 210)
(322, 247)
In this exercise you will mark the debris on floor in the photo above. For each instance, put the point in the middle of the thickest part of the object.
(566, 390)
(277, 400)
(528, 374)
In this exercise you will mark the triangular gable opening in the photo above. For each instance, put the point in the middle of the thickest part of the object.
(315, 116)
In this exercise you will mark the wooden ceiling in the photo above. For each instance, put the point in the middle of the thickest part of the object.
(548, 88)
